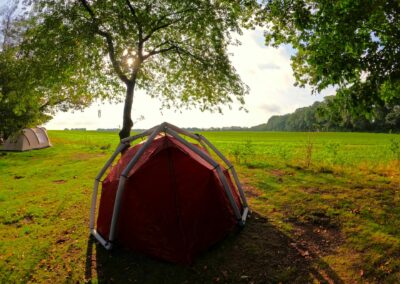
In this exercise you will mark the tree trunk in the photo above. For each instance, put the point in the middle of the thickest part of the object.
(127, 117)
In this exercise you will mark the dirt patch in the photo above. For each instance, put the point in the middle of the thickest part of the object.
(60, 181)
(251, 191)
(320, 219)
(280, 174)
(61, 241)
(85, 156)
(314, 241)
(315, 190)
(28, 219)
(277, 173)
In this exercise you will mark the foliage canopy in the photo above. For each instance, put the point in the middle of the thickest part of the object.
(36, 77)
(174, 50)
(353, 45)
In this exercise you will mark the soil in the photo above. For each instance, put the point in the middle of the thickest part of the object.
(251, 191)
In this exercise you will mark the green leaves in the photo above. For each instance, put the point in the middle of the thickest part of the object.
(352, 45)
(78, 51)
(45, 67)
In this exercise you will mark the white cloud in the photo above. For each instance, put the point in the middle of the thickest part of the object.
(265, 70)
(271, 108)
(269, 66)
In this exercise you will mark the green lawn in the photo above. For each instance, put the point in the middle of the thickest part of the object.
(326, 207)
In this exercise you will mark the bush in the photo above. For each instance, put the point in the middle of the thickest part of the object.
(243, 152)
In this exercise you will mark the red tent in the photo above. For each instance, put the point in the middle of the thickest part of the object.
(175, 200)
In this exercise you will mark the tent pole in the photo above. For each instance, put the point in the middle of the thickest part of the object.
(182, 131)
(97, 181)
(202, 142)
(228, 191)
(122, 180)
(101, 240)
(120, 148)
(230, 166)
(140, 135)
(215, 165)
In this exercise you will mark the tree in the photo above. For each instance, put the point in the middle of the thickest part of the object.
(174, 50)
(17, 110)
(330, 115)
(353, 45)
(35, 78)
(393, 117)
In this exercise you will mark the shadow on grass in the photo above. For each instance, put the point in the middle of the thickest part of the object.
(259, 253)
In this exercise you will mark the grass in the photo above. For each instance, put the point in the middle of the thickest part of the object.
(326, 207)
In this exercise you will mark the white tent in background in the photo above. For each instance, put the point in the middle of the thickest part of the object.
(27, 139)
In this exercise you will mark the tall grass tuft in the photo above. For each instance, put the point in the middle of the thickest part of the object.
(309, 148)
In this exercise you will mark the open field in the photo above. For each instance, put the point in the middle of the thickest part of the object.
(326, 208)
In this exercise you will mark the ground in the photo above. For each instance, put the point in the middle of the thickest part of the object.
(325, 208)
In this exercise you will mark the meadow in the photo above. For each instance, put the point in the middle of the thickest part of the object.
(325, 208)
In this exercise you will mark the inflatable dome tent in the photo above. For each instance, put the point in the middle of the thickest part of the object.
(167, 197)
(27, 139)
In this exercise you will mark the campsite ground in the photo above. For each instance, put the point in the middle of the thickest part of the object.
(326, 208)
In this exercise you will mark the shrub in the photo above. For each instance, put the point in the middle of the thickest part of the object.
(395, 148)
(309, 148)
(243, 152)
(333, 150)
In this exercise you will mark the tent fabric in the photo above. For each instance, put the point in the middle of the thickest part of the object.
(174, 205)
(27, 139)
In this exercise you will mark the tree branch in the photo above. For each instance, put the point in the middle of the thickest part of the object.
(158, 46)
(162, 50)
(133, 12)
(159, 20)
(109, 40)
(158, 26)
(173, 46)
(7, 25)
(140, 30)
(49, 103)
(89, 10)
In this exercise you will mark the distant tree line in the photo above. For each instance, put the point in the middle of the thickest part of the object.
(225, 128)
(332, 115)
